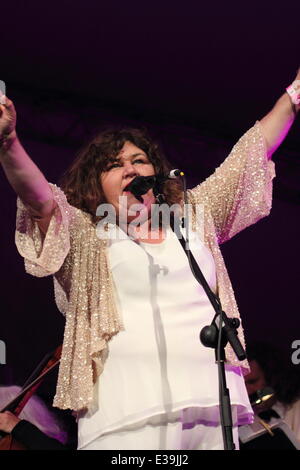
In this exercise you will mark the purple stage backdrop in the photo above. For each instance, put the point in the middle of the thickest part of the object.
(198, 78)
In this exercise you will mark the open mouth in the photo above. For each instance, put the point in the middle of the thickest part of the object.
(126, 191)
(126, 187)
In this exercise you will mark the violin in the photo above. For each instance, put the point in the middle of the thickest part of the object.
(16, 405)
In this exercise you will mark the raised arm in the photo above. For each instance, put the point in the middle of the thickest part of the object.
(22, 173)
(239, 192)
(277, 123)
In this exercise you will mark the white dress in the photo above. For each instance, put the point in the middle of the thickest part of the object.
(158, 366)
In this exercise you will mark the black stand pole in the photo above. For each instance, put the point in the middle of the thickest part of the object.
(217, 338)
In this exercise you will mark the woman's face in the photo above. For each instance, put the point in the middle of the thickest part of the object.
(129, 163)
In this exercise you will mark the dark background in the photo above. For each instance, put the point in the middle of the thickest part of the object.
(198, 75)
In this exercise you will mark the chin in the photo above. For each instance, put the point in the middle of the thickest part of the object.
(138, 218)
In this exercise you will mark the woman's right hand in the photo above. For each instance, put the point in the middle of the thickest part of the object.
(8, 117)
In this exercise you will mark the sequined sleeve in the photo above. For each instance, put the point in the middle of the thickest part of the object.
(239, 192)
(44, 257)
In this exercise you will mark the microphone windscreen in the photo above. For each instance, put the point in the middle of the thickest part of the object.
(141, 184)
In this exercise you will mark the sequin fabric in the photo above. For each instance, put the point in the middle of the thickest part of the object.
(234, 197)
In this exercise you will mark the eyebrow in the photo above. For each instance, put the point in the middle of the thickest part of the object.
(113, 159)
(136, 154)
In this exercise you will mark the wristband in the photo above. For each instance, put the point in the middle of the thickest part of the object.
(294, 91)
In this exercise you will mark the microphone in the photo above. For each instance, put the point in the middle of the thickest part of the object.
(141, 184)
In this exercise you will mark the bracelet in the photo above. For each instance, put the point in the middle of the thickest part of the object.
(294, 94)
(294, 91)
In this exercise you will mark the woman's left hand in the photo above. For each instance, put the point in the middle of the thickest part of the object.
(8, 421)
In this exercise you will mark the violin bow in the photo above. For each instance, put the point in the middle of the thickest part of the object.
(17, 404)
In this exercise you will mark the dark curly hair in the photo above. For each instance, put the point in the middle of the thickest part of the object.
(81, 182)
(278, 372)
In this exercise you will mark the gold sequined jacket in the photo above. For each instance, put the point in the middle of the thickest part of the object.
(235, 196)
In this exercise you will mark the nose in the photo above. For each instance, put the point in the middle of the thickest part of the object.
(129, 170)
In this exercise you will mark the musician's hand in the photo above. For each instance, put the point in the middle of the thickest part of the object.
(8, 421)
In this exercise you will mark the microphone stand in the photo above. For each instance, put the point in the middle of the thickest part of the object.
(210, 336)
(217, 338)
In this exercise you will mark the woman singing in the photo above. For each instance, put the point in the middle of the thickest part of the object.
(132, 365)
